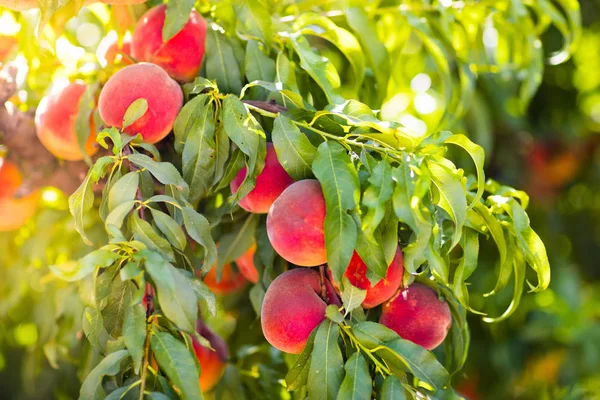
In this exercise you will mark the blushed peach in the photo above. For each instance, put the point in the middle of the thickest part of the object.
(55, 122)
(246, 264)
(417, 314)
(270, 183)
(231, 280)
(211, 362)
(295, 224)
(14, 213)
(109, 52)
(181, 56)
(292, 308)
(385, 288)
(148, 81)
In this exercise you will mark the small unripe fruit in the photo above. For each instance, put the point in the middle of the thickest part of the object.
(270, 183)
(181, 56)
(147, 81)
(55, 122)
(417, 314)
(295, 224)
(246, 264)
(292, 308)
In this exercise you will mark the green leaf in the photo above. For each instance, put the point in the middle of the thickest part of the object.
(371, 252)
(478, 155)
(91, 388)
(243, 129)
(116, 217)
(334, 314)
(118, 301)
(452, 196)
(234, 244)
(82, 121)
(164, 172)
(320, 69)
(114, 135)
(134, 334)
(221, 63)
(352, 297)
(295, 152)
(93, 328)
(204, 293)
(259, 67)
(254, 20)
(392, 389)
(80, 202)
(341, 190)
(72, 272)
(177, 363)
(199, 229)
(466, 266)
(123, 190)
(375, 197)
(298, 374)
(135, 111)
(257, 296)
(519, 265)
(326, 373)
(176, 16)
(357, 382)
(143, 231)
(177, 299)
(169, 228)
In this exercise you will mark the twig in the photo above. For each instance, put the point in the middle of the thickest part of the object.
(270, 106)
(324, 294)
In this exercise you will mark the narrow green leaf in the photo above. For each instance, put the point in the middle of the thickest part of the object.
(123, 190)
(117, 216)
(259, 67)
(352, 297)
(91, 388)
(334, 314)
(478, 155)
(145, 233)
(169, 228)
(234, 244)
(293, 148)
(340, 185)
(357, 384)
(134, 334)
(93, 328)
(177, 363)
(118, 301)
(326, 372)
(298, 374)
(392, 389)
(135, 111)
(164, 172)
(80, 202)
(377, 194)
(254, 20)
(82, 121)
(176, 16)
(221, 63)
(199, 229)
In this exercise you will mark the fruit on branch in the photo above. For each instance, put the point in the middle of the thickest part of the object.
(109, 52)
(211, 361)
(385, 288)
(14, 212)
(147, 81)
(271, 182)
(417, 314)
(231, 280)
(295, 224)
(246, 264)
(55, 122)
(7, 44)
(181, 55)
(292, 308)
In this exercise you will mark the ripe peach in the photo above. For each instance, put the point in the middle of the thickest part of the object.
(417, 314)
(212, 362)
(385, 288)
(295, 224)
(271, 182)
(292, 308)
(109, 51)
(182, 55)
(148, 81)
(246, 264)
(55, 122)
(231, 280)
(7, 44)
(14, 212)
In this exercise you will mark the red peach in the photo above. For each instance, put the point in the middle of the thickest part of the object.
(55, 122)
(246, 264)
(14, 213)
(211, 363)
(231, 280)
(295, 224)
(292, 308)
(148, 81)
(109, 51)
(270, 183)
(181, 56)
(417, 314)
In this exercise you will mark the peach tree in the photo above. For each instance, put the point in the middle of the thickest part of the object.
(278, 199)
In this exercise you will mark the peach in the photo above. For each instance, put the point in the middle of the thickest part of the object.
(270, 183)
(212, 362)
(181, 56)
(295, 224)
(417, 314)
(231, 280)
(55, 122)
(7, 44)
(148, 81)
(246, 264)
(292, 308)
(14, 213)
(109, 51)
(385, 288)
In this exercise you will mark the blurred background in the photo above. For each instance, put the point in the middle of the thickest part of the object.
(549, 349)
